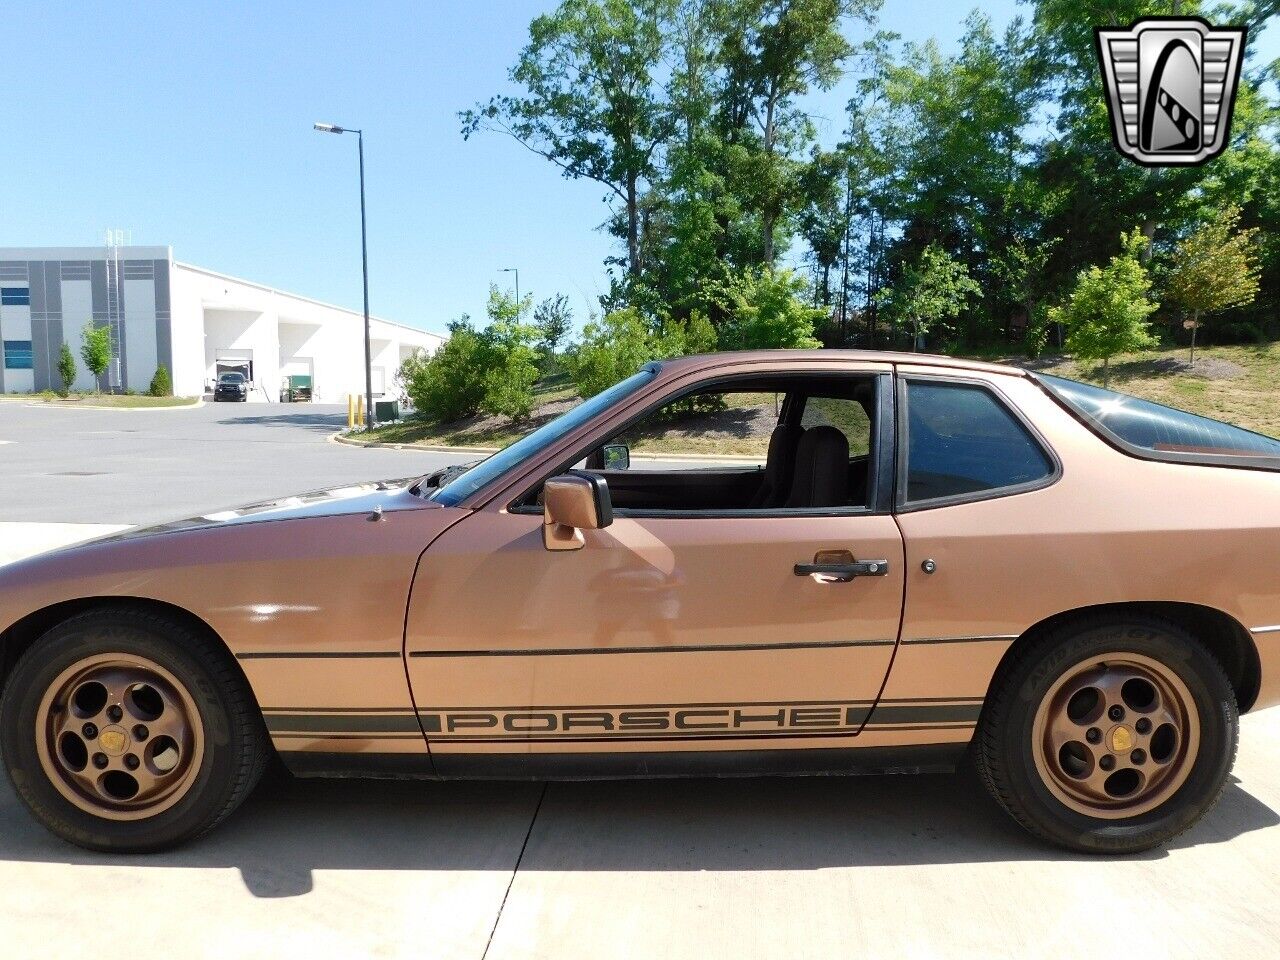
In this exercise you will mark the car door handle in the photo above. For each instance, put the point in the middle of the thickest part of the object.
(845, 572)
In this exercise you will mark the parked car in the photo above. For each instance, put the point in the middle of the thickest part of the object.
(917, 559)
(231, 386)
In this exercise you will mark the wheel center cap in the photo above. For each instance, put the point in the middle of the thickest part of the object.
(1121, 740)
(113, 740)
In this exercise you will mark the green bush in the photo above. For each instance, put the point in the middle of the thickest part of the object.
(491, 370)
(161, 383)
(765, 311)
(511, 369)
(624, 341)
(449, 384)
(611, 350)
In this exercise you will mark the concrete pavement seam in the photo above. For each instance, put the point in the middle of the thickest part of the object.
(528, 833)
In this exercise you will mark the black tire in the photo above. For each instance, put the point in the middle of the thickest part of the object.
(1003, 751)
(235, 741)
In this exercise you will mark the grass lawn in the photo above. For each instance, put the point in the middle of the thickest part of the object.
(1239, 384)
(115, 400)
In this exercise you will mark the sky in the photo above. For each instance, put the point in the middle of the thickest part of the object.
(189, 125)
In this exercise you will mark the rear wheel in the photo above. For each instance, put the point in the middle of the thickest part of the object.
(1109, 736)
(124, 730)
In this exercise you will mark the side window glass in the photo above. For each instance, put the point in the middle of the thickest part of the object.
(962, 440)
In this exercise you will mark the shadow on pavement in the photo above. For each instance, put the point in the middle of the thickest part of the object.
(316, 420)
(289, 828)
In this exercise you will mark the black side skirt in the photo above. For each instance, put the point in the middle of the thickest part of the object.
(924, 758)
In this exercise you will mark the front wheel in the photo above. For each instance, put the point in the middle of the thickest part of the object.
(1111, 736)
(124, 730)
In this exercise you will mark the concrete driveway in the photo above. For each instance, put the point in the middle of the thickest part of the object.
(909, 867)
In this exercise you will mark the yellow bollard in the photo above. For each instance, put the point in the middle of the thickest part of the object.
(351, 413)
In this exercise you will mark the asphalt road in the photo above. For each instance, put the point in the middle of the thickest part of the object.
(890, 867)
(69, 465)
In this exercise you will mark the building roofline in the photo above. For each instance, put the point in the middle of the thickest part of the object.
(297, 296)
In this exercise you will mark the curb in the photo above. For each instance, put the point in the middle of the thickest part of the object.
(59, 405)
(435, 448)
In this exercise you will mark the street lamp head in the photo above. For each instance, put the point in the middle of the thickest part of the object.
(328, 128)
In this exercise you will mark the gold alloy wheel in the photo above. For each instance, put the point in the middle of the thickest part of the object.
(1116, 735)
(119, 736)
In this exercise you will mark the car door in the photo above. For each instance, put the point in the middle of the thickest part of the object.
(666, 633)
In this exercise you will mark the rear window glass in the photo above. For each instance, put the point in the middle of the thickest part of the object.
(962, 441)
(1157, 428)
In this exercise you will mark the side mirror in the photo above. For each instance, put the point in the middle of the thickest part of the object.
(571, 503)
(617, 456)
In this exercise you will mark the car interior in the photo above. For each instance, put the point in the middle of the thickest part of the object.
(804, 444)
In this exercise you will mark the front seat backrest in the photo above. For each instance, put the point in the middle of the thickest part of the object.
(779, 466)
(822, 469)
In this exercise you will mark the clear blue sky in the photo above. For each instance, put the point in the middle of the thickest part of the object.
(192, 127)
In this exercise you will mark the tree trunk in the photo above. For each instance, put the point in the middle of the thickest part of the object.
(768, 217)
(633, 228)
(1106, 372)
(915, 334)
(1195, 326)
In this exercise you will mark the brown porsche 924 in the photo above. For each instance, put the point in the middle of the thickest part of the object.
(914, 558)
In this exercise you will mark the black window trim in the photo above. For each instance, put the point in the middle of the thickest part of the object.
(902, 505)
(880, 461)
(1271, 464)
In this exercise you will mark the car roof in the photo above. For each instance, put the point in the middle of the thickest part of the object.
(709, 361)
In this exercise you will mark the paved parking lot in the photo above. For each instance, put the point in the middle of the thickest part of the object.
(891, 867)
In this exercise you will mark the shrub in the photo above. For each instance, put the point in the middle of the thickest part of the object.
(611, 349)
(161, 383)
(66, 369)
(511, 369)
(764, 310)
(448, 385)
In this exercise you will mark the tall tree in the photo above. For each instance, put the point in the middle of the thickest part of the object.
(934, 289)
(592, 102)
(553, 319)
(774, 52)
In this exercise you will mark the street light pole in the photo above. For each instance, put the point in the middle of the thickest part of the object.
(369, 420)
(516, 271)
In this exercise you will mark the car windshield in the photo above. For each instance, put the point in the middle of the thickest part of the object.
(460, 487)
(231, 378)
(1159, 429)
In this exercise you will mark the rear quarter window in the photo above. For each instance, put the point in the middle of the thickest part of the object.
(963, 442)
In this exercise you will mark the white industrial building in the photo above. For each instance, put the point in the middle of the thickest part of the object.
(196, 322)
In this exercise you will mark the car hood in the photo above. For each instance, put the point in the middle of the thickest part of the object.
(379, 496)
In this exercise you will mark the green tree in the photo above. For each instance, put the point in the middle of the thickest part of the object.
(66, 369)
(1215, 268)
(611, 349)
(449, 384)
(1107, 311)
(511, 362)
(95, 351)
(592, 102)
(161, 383)
(933, 290)
(554, 320)
(767, 309)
